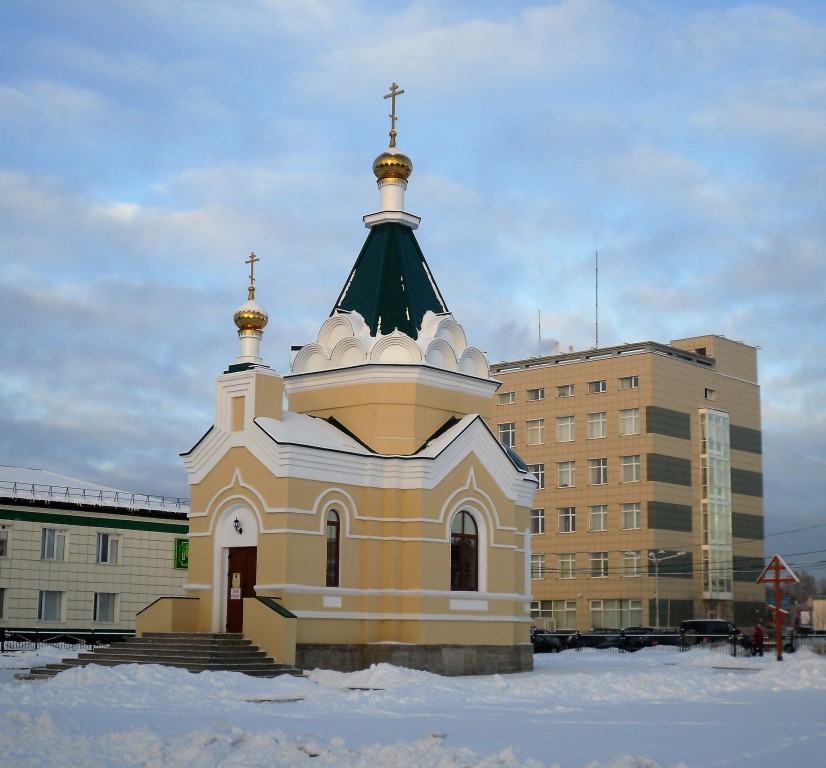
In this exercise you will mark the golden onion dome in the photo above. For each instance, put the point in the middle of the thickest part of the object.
(250, 316)
(392, 164)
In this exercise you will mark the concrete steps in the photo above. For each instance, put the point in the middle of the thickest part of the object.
(195, 652)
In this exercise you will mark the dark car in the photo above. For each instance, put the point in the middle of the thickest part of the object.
(695, 631)
(544, 641)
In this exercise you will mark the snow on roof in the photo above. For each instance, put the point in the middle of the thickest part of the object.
(30, 483)
(300, 429)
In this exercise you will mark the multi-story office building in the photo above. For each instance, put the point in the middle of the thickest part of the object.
(78, 556)
(649, 508)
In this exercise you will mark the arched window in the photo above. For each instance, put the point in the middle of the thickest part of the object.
(464, 553)
(333, 547)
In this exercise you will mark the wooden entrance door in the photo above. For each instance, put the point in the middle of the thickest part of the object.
(241, 565)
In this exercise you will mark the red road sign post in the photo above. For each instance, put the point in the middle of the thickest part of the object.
(777, 573)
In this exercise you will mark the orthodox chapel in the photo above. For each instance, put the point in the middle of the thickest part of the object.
(357, 509)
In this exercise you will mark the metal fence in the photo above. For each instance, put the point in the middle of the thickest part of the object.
(12, 639)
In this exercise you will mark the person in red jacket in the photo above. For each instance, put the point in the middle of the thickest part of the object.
(757, 641)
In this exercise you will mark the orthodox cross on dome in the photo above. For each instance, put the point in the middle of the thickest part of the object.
(251, 261)
(394, 91)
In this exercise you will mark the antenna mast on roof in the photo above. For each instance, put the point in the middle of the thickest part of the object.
(596, 294)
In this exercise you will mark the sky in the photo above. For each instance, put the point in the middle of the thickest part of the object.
(147, 148)
(588, 709)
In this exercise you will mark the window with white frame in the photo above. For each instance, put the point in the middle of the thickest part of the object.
(629, 382)
(631, 562)
(104, 609)
(564, 429)
(566, 565)
(555, 614)
(108, 545)
(507, 434)
(537, 565)
(710, 394)
(616, 613)
(597, 471)
(565, 390)
(596, 387)
(538, 471)
(537, 521)
(507, 398)
(631, 516)
(566, 474)
(598, 517)
(629, 421)
(50, 606)
(630, 471)
(597, 425)
(52, 544)
(536, 394)
(599, 565)
(566, 520)
(535, 431)
(4, 542)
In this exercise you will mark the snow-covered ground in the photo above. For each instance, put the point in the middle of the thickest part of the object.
(589, 709)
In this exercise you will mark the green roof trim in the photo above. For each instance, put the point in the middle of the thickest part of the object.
(390, 285)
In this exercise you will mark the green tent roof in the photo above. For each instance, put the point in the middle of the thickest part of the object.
(390, 284)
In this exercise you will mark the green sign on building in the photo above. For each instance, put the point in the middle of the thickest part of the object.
(182, 553)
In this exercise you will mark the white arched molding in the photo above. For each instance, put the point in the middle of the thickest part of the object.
(474, 363)
(453, 333)
(334, 329)
(311, 357)
(395, 348)
(441, 355)
(482, 518)
(348, 351)
(339, 500)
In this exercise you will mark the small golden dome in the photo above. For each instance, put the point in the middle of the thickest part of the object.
(250, 316)
(392, 165)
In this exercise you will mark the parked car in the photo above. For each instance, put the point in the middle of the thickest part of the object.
(695, 631)
(545, 641)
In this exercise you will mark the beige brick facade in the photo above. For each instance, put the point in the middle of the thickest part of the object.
(628, 420)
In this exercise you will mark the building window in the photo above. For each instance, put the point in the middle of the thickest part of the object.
(629, 382)
(564, 429)
(464, 553)
(537, 521)
(507, 398)
(616, 613)
(538, 471)
(536, 394)
(507, 434)
(52, 544)
(630, 469)
(536, 431)
(333, 548)
(566, 520)
(596, 387)
(598, 517)
(631, 516)
(565, 390)
(629, 421)
(104, 610)
(537, 565)
(631, 562)
(599, 565)
(566, 565)
(4, 542)
(554, 614)
(597, 471)
(597, 425)
(710, 394)
(49, 606)
(566, 474)
(107, 548)
(2, 603)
